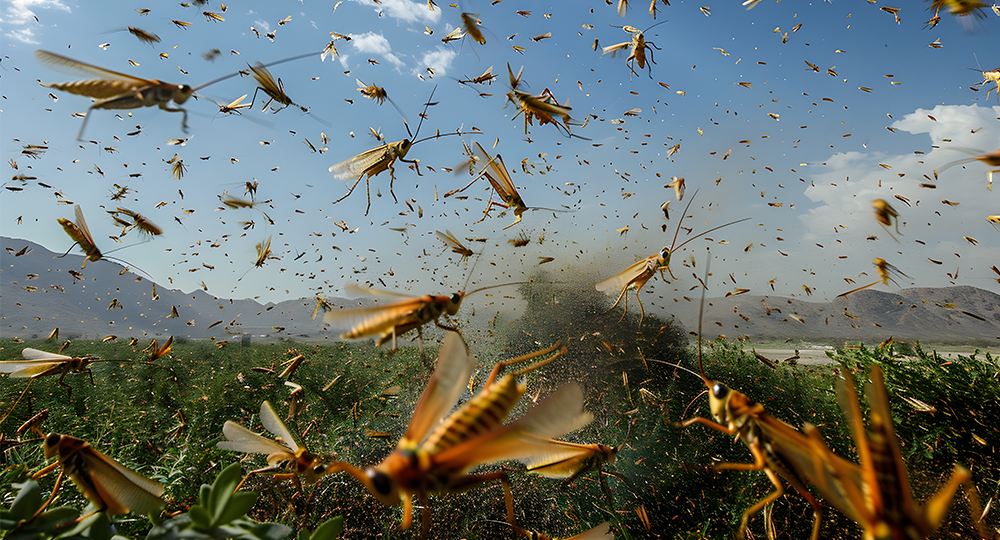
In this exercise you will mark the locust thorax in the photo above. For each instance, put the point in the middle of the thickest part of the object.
(182, 93)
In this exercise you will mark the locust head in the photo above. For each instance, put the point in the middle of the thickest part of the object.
(403, 148)
(454, 304)
(383, 486)
(182, 93)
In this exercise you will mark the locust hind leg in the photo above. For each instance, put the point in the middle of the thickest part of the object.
(184, 126)
(625, 288)
(356, 182)
(79, 135)
(642, 312)
(69, 389)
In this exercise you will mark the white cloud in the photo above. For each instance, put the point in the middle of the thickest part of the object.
(264, 25)
(376, 44)
(407, 10)
(438, 60)
(20, 11)
(24, 35)
(846, 185)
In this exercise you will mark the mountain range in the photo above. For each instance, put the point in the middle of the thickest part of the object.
(38, 292)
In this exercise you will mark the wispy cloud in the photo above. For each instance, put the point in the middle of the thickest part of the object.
(24, 35)
(375, 44)
(407, 10)
(439, 60)
(20, 11)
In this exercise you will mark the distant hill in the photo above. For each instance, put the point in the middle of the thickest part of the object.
(33, 306)
(959, 315)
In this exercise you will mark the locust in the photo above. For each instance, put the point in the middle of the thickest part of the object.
(437, 451)
(641, 271)
(373, 162)
(637, 46)
(118, 91)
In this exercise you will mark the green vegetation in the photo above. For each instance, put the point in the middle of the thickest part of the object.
(164, 421)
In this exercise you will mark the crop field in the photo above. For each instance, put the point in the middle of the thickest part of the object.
(165, 419)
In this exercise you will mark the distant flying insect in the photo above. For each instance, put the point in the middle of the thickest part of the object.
(545, 107)
(885, 271)
(486, 78)
(470, 22)
(109, 485)
(234, 106)
(81, 235)
(451, 242)
(638, 47)
(118, 91)
(275, 90)
(495, 171)
(636, 275)
(395, 319)
(991, 159)
(438, 449)
(144, 36)
(373, 162)
(884, 214)
(282, 453)
(139, 222)
(990, 77)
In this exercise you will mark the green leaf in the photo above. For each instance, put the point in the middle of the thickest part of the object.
(272, 531)
(27, 502)
(223, 488)
(238, 506)
(200, 517)
(203, 495)
(50, 520)
(329, 529)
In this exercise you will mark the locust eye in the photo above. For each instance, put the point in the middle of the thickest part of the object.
(664, 254)
(185, 88)
(319, 469)
(456, 298)
(381, 482)
(720, 390)
(52, 439)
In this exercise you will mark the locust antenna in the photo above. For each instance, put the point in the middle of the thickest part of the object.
(701, 314)
(422, 115)
(231, 75)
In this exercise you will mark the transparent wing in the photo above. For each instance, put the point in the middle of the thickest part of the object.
(129, 488)
(613, 49)
(243, 440)
(82, 224)
(558, 460)
(35, 354)
(26, 368)
(357, 165)
(274, 424)
(75, 67)
(356, 290)
(560, 413)
(614, 284)
(454, 369)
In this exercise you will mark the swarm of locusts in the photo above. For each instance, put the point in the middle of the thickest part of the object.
(478, 431)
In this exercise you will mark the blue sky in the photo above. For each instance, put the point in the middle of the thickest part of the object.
(819, 155)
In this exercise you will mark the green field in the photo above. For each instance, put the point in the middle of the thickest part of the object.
(164, 421)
